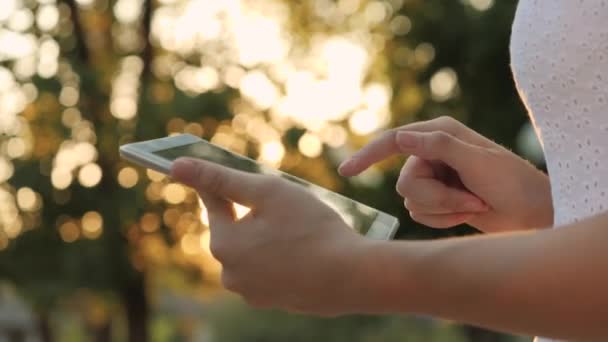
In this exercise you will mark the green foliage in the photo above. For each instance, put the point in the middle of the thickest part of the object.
(235, 322)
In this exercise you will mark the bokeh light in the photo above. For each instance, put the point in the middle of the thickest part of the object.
(27, 199)
(150, 222)
(128, 177)
(154, 176)
(310, 145)
(69, 231)
(89, 175)
(481, 5)
(444, 84)
(174, 193)
(92, 225)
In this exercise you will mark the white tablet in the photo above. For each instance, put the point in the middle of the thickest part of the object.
(158, 154)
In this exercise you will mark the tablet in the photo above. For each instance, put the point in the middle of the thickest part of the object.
(158, 154)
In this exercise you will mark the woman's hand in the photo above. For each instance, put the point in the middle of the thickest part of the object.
(290, 252)
(454, 176)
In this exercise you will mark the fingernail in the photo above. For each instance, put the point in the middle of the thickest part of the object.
(345, 166)
(183, 162)
(181, 169)
(407, 140)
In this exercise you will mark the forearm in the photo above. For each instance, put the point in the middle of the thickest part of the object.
(551, 283)
(540, 203)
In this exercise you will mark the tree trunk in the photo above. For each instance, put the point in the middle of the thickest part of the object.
(136, 306)
(44, 327)
(14, 335)
(103, 333)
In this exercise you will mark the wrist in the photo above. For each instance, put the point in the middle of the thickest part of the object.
(380, 277)
(540, 208)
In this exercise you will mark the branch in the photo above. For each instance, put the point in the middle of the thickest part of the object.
(81, 46)
(146, 54)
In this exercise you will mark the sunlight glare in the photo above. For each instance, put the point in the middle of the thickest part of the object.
(377, 96)
(90, 175)
(174, 193)
(364, 122)
(127, 11)
(375, 12)
(310, 145)
(7, 7)
(241, 210)
(61, 178)
(15, 45)
(190, 244)
(443, 84)
(205, 241)
(251, 49)
(47, 17)
(27, 199)
(257, 87)
(6, 169)
(272, 153)
(7, 81)
(204, 216)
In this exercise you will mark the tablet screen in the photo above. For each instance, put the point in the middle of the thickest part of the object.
(359, 216)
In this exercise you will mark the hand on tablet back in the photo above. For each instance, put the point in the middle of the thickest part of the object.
(454, 175)
(290, 252)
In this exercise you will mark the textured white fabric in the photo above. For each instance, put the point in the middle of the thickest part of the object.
(559, 57)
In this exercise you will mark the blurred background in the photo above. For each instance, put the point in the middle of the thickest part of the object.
(93, 248)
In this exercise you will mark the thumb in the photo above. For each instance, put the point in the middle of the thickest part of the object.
(441, 146)
(213, 179)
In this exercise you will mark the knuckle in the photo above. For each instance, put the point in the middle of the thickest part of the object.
(388, 134)
(438, 139)
(493, 153)
(445, 121)
(219, 251)
(448, 122)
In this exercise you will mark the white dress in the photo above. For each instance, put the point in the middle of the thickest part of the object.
(559, 57)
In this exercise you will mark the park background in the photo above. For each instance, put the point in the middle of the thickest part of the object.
(93, 248)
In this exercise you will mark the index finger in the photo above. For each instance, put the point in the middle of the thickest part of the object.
(386, 144)
(214, 179)
(379, 149)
